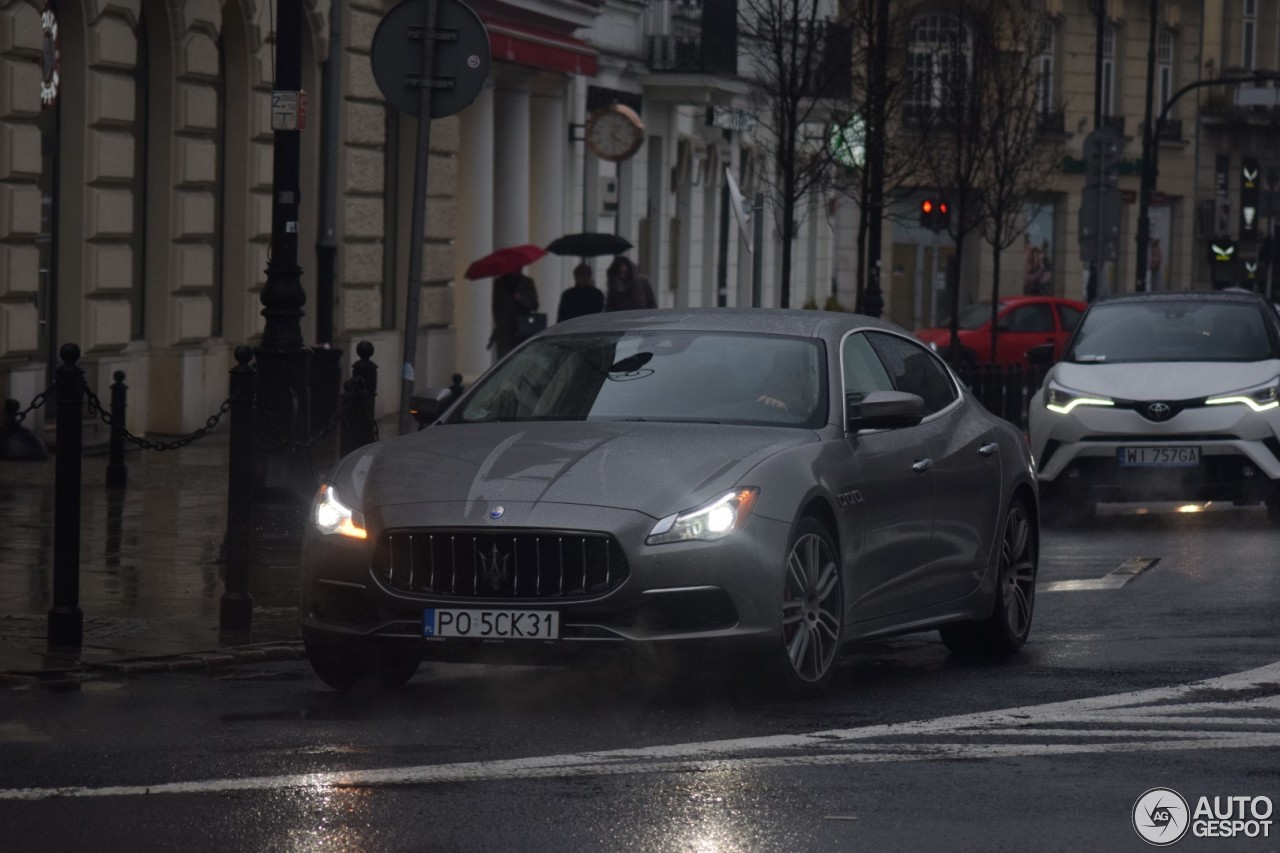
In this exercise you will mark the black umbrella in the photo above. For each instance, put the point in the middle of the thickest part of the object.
(589, 245)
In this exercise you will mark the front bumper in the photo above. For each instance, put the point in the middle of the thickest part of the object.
(727, 591)
(1079, 454)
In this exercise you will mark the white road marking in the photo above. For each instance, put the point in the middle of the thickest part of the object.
(1136, 722)
(1114, 579)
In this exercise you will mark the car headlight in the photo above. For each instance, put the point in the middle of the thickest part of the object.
(333, 516)
(713, 520)
(1063, 400)
(1259, 398)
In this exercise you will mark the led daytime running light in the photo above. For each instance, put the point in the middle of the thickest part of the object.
(713, 520)
(1248, 401)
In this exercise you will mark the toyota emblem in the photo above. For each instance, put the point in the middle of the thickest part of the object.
(1158, 411)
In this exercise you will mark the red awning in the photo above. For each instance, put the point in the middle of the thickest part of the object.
(538, 48)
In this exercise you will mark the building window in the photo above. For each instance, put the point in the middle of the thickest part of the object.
(1045, 100)
(1109, 71)
(1164, 69)
(938, 58)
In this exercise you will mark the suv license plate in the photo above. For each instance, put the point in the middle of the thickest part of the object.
(491, 624)
(1159, 457)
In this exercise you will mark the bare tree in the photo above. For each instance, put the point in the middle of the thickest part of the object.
(799, 62)
(1020, 151)
(972, 71)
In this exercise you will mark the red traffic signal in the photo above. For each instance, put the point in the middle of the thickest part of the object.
(934, 214)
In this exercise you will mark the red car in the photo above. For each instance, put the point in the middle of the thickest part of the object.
(1024, 322)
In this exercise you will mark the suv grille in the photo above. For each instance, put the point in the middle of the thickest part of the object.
(517, 564)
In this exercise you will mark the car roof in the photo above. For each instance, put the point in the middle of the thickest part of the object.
(775, 321)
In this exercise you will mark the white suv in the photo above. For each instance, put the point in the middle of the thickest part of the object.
(1168, 396)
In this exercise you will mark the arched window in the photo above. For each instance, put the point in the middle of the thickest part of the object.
(939, 52)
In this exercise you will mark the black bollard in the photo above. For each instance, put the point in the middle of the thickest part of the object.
(359, 421)
(116, 473)
(235, 611)
(456, 389)
(66, 621)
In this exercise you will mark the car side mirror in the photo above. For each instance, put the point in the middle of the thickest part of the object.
(1041, 354)
(884, 410)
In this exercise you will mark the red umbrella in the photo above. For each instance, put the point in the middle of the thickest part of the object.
(503, 261)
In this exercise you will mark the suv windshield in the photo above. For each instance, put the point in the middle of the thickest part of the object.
(657, 376)
(1172, 330)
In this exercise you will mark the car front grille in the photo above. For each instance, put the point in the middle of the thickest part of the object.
(509, 565)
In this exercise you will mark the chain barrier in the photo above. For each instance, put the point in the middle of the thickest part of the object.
(96, 407)
(36, 403)
(353, 393)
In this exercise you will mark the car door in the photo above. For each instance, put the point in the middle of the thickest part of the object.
(964, 469)
(891, 503)
(1022, 328)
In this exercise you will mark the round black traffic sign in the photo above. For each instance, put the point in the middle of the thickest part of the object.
(461, 60)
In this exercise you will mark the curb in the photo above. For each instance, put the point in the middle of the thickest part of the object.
(201, 661)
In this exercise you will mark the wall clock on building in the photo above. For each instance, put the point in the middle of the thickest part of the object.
(614, 132)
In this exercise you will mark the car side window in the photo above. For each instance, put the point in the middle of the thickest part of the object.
(1070, 317)
(1029, 318)
(913, 369)
(863, 372)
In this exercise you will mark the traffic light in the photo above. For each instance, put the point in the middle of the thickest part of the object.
(1250, 198)
(1223, 264)
(934, 214)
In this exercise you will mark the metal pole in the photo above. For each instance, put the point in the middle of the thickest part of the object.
(873, 296)
(282, 358)
(66, 620)
(1100, 26)
(757, 242)
(417, 221)
(1149, 141)
(117, 476)
(235, 610)
(327, 246)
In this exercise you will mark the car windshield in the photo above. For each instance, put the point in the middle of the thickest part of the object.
(676, 376)
(1172, 330)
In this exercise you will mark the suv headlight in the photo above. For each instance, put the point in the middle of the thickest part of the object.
(1062, 400)
(1260, 398)
(331, 515)
(713, 520)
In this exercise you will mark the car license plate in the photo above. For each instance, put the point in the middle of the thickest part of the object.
(1159, 457)
(491, 624)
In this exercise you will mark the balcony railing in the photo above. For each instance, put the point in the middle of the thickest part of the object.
(1115, 123)
(1052, 121)
(692, 36)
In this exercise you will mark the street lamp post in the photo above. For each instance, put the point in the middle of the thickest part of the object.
(282, 359)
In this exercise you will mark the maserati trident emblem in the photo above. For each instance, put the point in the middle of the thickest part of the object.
(496, 512)
(493, 567)
(1158, 411)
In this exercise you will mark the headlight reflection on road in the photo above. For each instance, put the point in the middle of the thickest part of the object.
(328, 818)
(711, 815)
(1195, 507)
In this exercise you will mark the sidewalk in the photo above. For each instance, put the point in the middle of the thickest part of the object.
(150, 576)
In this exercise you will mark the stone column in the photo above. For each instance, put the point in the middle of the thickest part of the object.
(511, 164)
(549, 138)
(475, 235)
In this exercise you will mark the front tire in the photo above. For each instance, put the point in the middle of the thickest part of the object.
(344, 669)
(812, 610)
(1006, 630)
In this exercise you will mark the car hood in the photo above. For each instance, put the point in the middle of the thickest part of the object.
(1174, 380)
(654, 468)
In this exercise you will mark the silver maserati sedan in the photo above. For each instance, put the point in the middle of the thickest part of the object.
(774, 484)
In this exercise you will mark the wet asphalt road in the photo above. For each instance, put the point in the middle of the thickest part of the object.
(903, 754)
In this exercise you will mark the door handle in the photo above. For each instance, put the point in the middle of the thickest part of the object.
(922, 465)
(988, 448)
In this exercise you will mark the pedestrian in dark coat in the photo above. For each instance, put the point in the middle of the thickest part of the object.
(627, 288)
(514, 294)
(581, 299)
